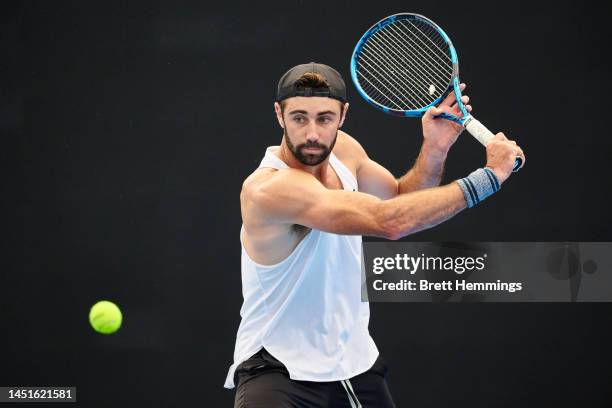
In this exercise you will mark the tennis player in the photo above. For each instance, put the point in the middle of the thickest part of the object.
(303, 340)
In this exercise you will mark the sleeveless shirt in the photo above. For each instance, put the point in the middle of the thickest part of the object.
(306, 310)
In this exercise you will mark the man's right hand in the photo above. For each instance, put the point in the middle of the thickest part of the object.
(501, 155)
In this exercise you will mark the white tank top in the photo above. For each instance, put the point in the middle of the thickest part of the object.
(306, 310)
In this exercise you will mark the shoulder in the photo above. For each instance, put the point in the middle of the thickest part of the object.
(349, 150)
(278, 197)
(266, 183)
(346, 145)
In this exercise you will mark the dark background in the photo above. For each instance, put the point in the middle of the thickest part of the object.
(128, 128)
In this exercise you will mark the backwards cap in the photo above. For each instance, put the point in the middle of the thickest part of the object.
(287, 88)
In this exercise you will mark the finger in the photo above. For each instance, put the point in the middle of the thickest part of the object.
(464, 99)
(501, 136)
(469, 108)
(431, 112)
(516, 152)
(449, 100)
(452, 111)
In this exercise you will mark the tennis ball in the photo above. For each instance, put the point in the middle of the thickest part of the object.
(105, 317)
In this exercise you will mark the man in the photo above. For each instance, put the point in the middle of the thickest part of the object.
(303, 340)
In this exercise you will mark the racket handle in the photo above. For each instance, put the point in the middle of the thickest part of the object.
(483, 135)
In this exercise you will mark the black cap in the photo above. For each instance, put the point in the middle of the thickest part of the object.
(287, 88)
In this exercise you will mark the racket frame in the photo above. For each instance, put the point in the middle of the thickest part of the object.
(416, 113)
(474, 127)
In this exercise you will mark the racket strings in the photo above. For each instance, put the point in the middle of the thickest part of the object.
(388, 97)
(395, 72)
(413, 60)
(390, 71)
(430, 34)
(403, 95)
(405, 65)
(425, 56)
(432, 69)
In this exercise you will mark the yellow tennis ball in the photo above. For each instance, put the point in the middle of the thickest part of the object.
(105, 317)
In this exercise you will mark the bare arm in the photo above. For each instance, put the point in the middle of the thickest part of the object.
(376, 180)
(438, 136)
(426, 172)
(295, 197)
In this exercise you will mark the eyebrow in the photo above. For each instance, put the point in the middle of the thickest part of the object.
(327, 112)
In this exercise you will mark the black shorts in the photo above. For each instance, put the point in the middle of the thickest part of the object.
(263, 382)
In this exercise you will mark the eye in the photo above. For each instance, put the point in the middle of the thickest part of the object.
(324, 119)
(298, 119)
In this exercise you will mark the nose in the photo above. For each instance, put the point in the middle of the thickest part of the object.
(311, 132)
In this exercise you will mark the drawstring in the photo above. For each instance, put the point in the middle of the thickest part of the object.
(351, 394)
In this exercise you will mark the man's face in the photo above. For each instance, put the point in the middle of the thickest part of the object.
(311, 127)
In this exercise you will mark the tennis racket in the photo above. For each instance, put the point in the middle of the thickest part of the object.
(404, 64)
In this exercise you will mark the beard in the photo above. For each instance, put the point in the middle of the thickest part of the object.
(310, 159)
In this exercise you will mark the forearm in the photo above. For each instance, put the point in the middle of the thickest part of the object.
(419, 210)
(426, 172)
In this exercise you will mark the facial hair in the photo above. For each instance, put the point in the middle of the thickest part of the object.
(310, 159)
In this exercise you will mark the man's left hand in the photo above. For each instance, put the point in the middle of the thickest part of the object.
(440, 134)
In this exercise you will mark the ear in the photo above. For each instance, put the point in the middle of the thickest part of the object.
(346, 106)
(279, 114)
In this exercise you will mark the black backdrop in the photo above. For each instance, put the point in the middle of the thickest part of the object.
(128, 128)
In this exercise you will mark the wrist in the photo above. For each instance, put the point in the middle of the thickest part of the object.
(479, 185)
(497, 173)
(433, 153)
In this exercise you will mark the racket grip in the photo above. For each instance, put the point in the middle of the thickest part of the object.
(483, 135)
(478, 130)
